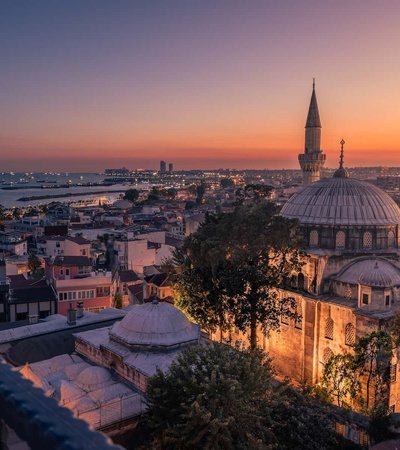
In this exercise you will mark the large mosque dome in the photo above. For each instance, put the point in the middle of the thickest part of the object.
(342, 201)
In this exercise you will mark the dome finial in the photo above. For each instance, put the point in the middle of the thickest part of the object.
(342, 142)
(341, 172)
(313, 84)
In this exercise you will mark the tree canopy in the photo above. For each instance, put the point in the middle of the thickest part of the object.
(230, 269)
(220, 397)
(132, 195)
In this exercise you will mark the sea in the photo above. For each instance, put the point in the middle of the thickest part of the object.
(51, 185)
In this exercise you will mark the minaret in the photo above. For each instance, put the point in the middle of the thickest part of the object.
(312, 159)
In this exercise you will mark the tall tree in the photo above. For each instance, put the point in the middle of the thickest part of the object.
(372, 355)
(211, 397)
(231, 269)
(219, 397)
(131, 195)
(340, 379)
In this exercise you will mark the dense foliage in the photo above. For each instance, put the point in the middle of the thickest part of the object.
(219, 397)
(364, 375)
(230, 269)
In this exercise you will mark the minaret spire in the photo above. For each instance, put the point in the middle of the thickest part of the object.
(312, 159)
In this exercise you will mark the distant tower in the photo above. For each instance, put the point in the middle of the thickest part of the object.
(170, 167)
(312, 159)
(163, 166)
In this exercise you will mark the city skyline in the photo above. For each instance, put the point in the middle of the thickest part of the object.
(96, 84)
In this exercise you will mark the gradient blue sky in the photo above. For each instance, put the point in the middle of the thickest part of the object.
(86, 85)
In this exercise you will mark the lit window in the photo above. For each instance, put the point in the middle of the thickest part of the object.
(314, 238)
(391, 241)
(350, 334)
(329, 324)
(328, 353)
(367, 240)
(340, 239)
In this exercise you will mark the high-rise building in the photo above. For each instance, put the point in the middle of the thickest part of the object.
(170, 167)
(163, 166)
(312, 160)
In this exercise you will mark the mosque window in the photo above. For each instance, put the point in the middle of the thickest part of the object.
(365, 299)
(391, 239)
(328, 353)
(350, 334)
(340, 239)
(329, 325)
(300, 281)
(387, 300)
(314, 238)
(367, 240)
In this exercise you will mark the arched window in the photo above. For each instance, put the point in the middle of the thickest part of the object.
(350, 334)
(328, 353)
(340, 239)
(329, 324)
(367, 240)
(391, 242)
(313, 238)
(300, 281)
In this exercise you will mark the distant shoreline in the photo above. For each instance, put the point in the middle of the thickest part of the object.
(75, 194)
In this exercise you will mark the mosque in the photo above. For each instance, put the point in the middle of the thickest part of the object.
(350, 282)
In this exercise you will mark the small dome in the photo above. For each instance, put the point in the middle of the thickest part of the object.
(69, 392)
(93, 376)
(155, 324)
(370, 272)
(342, 201)
(73, 370)
(376, 277)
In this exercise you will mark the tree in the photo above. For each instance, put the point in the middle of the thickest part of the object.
(34, 263)
(118, 300)
(230, 270)
(339, 378)
(211, 397)
(220, 397)
(190, 205)
(198, 284)
(200, 191)
(170, 194)
(299, 421)
(254, 192)
(372, 355)
(192, 190)
(226, 183)
(132, 195)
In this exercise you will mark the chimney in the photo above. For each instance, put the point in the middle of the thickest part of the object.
(33, 318)
(79, 312)
(71, 315)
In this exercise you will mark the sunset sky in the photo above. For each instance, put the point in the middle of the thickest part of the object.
(86, 85)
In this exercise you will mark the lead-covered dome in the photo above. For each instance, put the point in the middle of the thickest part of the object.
(155, 325)
(370, 272)
(342, 201)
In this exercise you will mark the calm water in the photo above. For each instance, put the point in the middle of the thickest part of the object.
(31, 184)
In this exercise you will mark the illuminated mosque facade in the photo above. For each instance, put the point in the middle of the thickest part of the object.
(350, 282)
